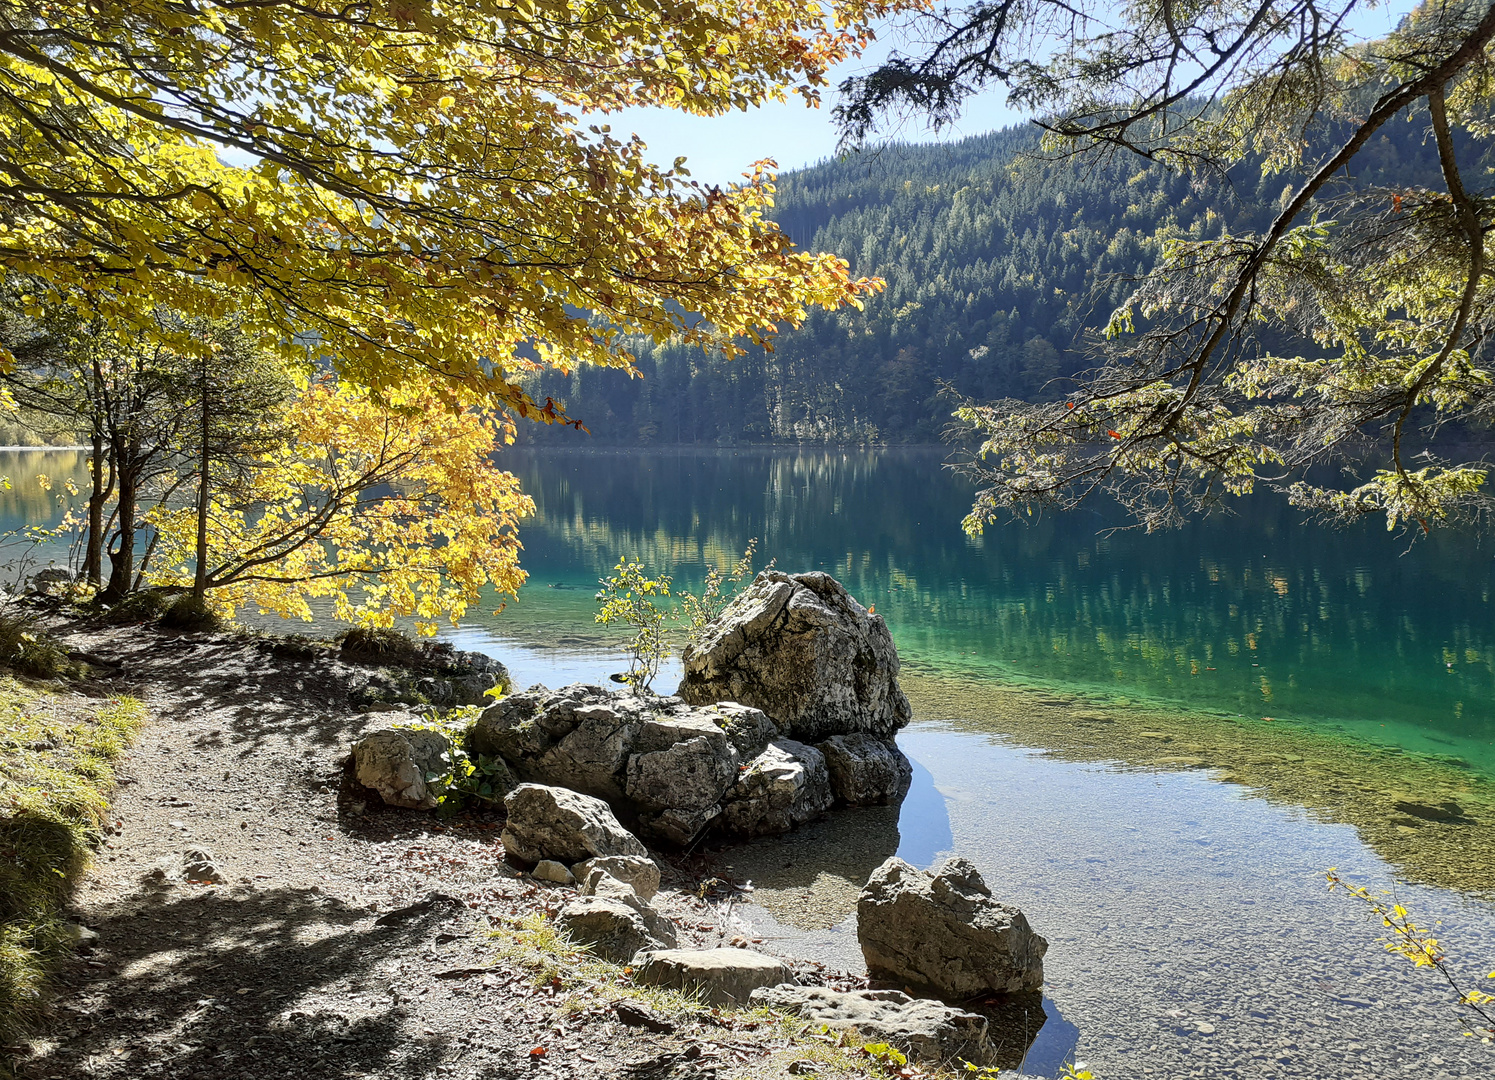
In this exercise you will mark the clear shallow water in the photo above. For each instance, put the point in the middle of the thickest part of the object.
(1190, 931)
(1170, 899)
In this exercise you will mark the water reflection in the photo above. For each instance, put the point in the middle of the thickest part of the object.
(1256, 614)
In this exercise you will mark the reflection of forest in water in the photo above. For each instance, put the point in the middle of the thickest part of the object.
(1256, 612)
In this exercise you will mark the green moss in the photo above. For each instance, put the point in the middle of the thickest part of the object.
(56, 771)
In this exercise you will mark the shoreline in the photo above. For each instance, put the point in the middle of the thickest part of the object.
(345, 934)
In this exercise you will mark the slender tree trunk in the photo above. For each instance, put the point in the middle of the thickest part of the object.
(122, 557)
(200, 581)
(93, 557)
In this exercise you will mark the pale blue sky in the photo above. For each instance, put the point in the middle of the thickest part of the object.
(719, 148)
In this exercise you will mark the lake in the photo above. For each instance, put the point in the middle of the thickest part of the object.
(1155, 745)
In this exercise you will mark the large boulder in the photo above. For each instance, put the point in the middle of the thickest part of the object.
(720, 976)
(801, 649)
(403, 766)
(782, 788)
(866, 771)
(683, 766)
(567, 826)
(925, 1030)
(942, 930)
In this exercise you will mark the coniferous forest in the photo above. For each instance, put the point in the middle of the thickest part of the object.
(999, 264)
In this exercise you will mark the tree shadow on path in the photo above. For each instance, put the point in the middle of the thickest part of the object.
(280, 983)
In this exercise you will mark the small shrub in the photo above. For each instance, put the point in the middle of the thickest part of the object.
(627, 597)
(187, 612)
(380, 644)
(28, 650)
(475, 778)
(146, 605)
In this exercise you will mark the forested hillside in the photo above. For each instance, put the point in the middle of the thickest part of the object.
(996, 265)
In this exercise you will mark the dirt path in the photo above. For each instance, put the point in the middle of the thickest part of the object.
(319, 955)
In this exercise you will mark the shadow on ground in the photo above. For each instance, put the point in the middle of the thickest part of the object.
(281, 983)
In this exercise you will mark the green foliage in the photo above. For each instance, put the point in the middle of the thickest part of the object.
(56, 769)
(627, 597)
(379, 644)
(890, 1059)
(698, 612)
(997, 265)
(188, 612)
(474, 779)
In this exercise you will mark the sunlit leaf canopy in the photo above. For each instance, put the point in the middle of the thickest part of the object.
(1354, 326)
(416, 184)
(381, 511)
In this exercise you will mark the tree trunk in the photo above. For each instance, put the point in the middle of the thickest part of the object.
(122, 557)
(200, 581)
(93, 554)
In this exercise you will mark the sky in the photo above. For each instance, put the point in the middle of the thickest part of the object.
(718, 149)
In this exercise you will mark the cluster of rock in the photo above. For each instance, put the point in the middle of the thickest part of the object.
(788, 705)
(439, 676)
(940, 931)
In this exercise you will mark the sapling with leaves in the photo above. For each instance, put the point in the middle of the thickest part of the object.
(627, 596)
(1418, 944)
(698, 612)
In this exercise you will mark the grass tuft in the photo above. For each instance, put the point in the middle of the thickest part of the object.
(27, 649)
(187, 612)
(384, 645)
(56, 772)
(146, 605)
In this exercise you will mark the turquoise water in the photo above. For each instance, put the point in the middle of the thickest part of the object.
(1256, 614)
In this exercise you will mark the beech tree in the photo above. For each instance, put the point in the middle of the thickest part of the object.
(426, 187)
(1385, 295)
(389, 507)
